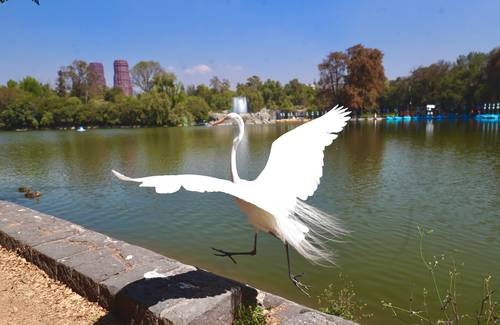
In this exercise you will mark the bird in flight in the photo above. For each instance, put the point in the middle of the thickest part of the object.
(274, 201)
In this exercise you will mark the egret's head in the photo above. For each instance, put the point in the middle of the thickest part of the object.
(231, 116)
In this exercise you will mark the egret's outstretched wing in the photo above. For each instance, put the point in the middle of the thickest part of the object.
(172, 183)
(295, 163)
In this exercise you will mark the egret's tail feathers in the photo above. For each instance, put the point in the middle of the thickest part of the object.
(123, 177)
(316, 229)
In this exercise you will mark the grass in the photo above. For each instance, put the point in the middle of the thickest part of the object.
(340, 300)
(488, 311)
(250, 315)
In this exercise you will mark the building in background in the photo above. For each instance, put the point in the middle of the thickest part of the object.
(97, 79)
(122, 77)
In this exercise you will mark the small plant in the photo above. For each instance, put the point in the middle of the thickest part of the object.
(250, 315)
(342, 302)
(488, 313)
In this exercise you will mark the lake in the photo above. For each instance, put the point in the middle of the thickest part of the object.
(381, 179)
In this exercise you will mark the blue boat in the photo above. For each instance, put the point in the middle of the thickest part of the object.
(487, 117)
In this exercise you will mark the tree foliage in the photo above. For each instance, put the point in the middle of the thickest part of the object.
(144, 73)
(457, 86)
(354, 78)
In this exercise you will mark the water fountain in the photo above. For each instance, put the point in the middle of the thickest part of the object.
(240, 105)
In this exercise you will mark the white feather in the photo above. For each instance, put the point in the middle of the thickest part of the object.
(274, 201)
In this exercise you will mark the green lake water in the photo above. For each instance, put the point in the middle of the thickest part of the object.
(380, 179)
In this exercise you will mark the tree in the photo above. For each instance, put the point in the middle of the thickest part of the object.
(166, 83)
(252, 91)
(493, 75)
(144, 73)
(219, 86)
(204, 92)
(355, 78)
(253, 95)
(61, 84)
(397, 94)
(77, 78)
(273, 94)
(428, 83)
(197, 107)
(301, 95)
(11, 84)
(332, 79)
(35, 1)
(112, 94)
(31, 85)
(366, 78)
(219, 95)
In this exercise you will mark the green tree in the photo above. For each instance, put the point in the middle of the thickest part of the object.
(31, 85)
(273, 94)
(61, 84)
(196, 107)
(166, 83)
(252, 91)
(492, 71)
(144, 73)
(204, 92)
(113, 94)
(301, 95)
(156, 107)
(469, 73)
(219, 86)
(11, 84)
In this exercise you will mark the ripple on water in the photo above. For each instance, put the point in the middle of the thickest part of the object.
(381, 181)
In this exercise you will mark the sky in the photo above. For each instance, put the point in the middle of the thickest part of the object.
(236, 39)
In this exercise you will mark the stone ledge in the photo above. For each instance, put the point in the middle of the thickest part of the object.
(138, 285)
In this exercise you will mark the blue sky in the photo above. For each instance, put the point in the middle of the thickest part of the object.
(236, 39)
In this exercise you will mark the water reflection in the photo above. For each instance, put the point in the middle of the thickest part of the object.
(381, 179)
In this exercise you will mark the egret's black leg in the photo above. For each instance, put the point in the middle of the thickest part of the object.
(302, 287)
(230, 254)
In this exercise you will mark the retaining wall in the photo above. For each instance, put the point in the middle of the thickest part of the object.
(139, 286)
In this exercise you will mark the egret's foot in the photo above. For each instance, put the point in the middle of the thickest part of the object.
(301, 286)
(230, 254)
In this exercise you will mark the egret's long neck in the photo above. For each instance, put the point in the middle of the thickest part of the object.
(236, 141)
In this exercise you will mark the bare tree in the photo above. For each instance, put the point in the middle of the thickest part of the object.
(333, 73)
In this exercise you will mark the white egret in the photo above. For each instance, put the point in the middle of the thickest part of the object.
(274, 201)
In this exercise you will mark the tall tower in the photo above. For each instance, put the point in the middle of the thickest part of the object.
(122, 77)
(97, 79)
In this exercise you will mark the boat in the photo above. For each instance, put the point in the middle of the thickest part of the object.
(488, 117)
(81, 129)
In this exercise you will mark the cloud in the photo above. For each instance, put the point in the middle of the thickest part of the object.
(198, 69)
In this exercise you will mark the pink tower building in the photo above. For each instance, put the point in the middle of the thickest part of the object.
(98, 81)
(122, 77)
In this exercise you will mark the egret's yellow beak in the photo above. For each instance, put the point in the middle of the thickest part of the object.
(219, 121)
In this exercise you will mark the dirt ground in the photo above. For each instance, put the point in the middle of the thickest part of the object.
(29, 296)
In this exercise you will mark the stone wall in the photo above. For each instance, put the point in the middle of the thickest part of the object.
(136, 284)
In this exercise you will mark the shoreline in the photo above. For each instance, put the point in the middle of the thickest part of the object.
(136, 284)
